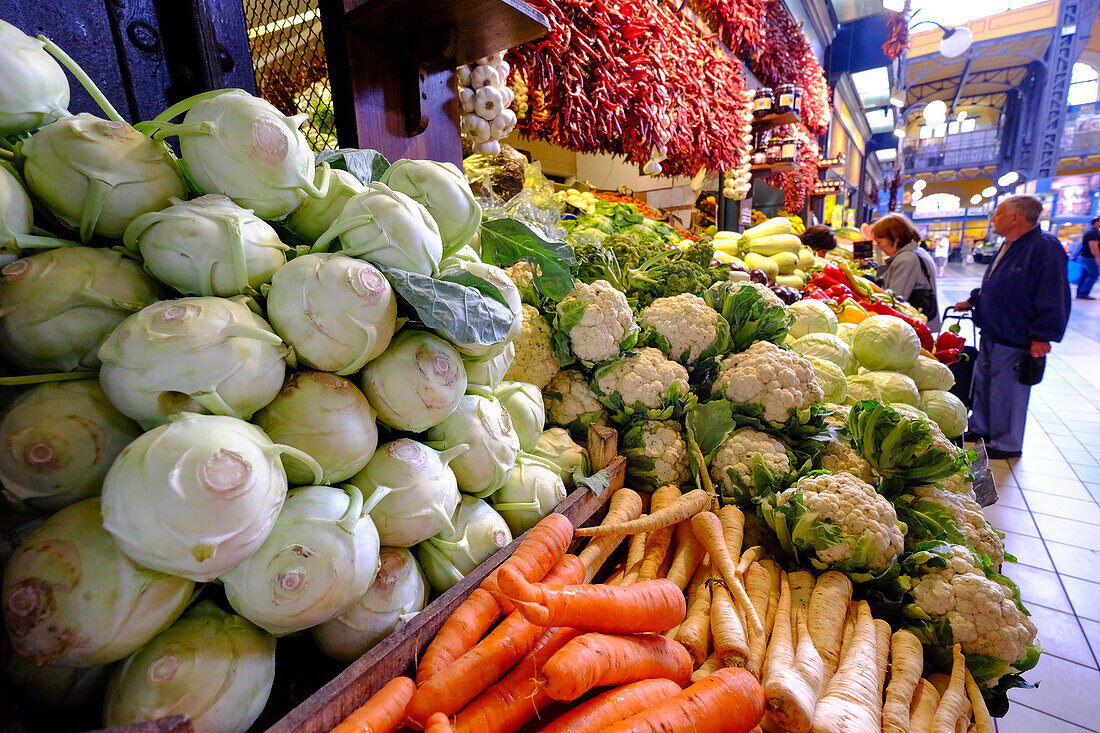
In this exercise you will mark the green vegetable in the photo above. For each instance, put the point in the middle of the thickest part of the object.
(504, 242)
(313, 216)
(366, 165)
(945, 409)
(479, 531)
(492, 282)
(863, 387)
(533, 490)
(831, 379)
(325, 416)
(70, 595)
(481, 424)
(212, 666)
(931, 374)
(442, 190)
(490, 373)
(321, 555)
(17, 219)
(416, 383)
(524, 404)
(812, 316)
(885, 343)
(558, 447)
(197, 496)
(55, 686)
(192, 355)
(824, 346)
(35, 89)
(751, 316)
(59, 441)
(895, 387)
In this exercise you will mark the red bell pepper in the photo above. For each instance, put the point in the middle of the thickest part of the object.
(949, 356)
(840, 292)
(949, 340)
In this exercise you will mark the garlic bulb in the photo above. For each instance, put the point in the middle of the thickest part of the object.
(485, 96)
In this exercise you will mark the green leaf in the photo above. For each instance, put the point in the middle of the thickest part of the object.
(366, 165)
(597, 483)
(462, 312)
(470, 280)
(504, 242)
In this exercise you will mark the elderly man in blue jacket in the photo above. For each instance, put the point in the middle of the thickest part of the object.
(1021, 307)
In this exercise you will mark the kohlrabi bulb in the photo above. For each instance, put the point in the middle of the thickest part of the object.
(96, 176)
(55, 686)
(442, 189)
(418, 490)
(195, 497)
(207, 246)
(212, 666)
(482, 423)
(398, 593)
(499, 279)
(59, 440)
(387, 228)
(35, 90)
(192, 355)
(557, 446)
(490, 373)
(313, 216)
(16, 212)
(523, 402)
(70, 595)
(336, 312)
(530, 493)
(325, 416)
(321, 555)
(416, 382)
(57, 307)
(464, 254)
(243, 147)
(479, 531)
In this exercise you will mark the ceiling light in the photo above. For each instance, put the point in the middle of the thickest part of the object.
(990, 192)
(919, 184)
(935, 112)
(975, 199)
(898, 132)
(956, 41)
(917, 196)
(962, 116)
(897, 102)
(1008, 179)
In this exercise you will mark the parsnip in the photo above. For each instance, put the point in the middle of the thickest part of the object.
(825, 616)
(852, 703)
(793, 679)
(906, 664)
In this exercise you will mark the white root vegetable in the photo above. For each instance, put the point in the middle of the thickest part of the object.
(502, 126)
(793, 679)
(953, 703)
(983, 723)
(826, 613)
(906, 664)
(485, 76)
(466, 99)
(925, 701)
(475, 128)
(853, 700)
(489, 147)
(463, 74)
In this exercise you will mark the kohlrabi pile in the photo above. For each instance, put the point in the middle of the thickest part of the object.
(832, 437)
(259, 392)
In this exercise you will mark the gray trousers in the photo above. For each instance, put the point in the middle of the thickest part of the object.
(1000, 401)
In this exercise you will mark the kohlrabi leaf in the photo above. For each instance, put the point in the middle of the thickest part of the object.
(464, 277)
(504, 242)
(465, 313)
(366, 165)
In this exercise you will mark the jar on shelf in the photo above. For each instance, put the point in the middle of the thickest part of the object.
(788, 150)
(763, 103)
(788, 99)
(760, 155)
(775, 150)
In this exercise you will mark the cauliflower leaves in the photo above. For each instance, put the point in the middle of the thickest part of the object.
(656, 454)
(643, 384)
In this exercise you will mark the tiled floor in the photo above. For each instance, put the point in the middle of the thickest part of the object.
(1049, 509)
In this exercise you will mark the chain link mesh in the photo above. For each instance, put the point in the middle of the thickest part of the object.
(288, 56)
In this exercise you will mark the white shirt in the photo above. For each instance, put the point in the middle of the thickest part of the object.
(943, 247)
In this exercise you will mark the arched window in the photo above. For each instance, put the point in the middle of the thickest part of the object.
(1084, 85)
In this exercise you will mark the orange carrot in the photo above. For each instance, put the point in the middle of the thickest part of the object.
(513, 702)
(652, 605)
(459, 633)
(598, 660)
(383, 712)
(439, 723)
(728, 701)
(657, 541)
(452, 687)
(613, 706)
(540, 550)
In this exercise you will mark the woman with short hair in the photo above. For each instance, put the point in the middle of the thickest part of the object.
(820, 239)
(910, 270)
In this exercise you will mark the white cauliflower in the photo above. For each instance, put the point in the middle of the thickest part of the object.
(535, 362)
(839, 457)
(736, 454)
(839, 416)
(779, 380)
(643, 377)
(982, 612)
(765, 292)
(688, 324)
(605, 323)
(970, 520)
(523, 275)
(568, 398)
(871, 537)
(656, 454)
(956, 483)
(939, 440)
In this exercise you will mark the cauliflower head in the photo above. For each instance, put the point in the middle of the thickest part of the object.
(688, 327)
(957, 483)
(840, 457)
(838, 417)
(535, 362)
(982, 612)
(656, 454)
(598, 321)
(644, 383)
(969, 519)
(570, 402)
(840, 521)
(522, 274)
(779, 380)
(732, 466)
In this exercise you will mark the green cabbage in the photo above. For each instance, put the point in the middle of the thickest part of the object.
(945, 409)
(895, 387)
(885, 343)
(831, 379)
(811, 316)
(931, 374)
(824, 346)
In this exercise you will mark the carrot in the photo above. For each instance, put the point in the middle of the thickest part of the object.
(520, 695)
(689, 551)
(748, 557)
(652, 605)
(793, 680)
(882, 646)
(452, 687)
(439, 723)
(657, 541)
(612, 706)
(728, 701)
(458, 634)
(708, 528)
(540, 550)
(982, 720)
(727, 627)
(906, 664)
(852, 703)
(954, 697)
(825, 617)
(707, 668)
(598, 660)
(732, 520)
(626, 504)
(694, 632)
(635, 552)
(383, 712)
(685, 507)
(925, 701)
